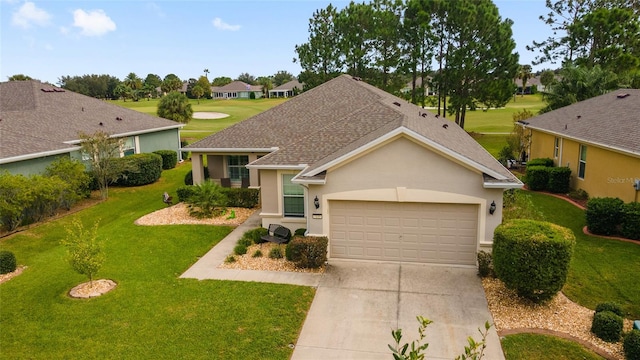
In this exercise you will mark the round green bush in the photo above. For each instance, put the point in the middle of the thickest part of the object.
(169, 158)
(7, 262)
(240, 249)
(275, 253)
(257, 253)
(245, 241)
(607, 326)
(184, 192)
(603, 215)
(307, 251)
(610, 306)
(631, 345)
(254, 235)
(141, 169)
(630, 226)
(532, 257)
(537, 177)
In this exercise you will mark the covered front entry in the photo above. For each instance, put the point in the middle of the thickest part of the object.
(403, 231)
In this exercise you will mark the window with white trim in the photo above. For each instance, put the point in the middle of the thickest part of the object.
(582, 161)
(236, 167)
(293, 197)
(128, 146)
(556, 148)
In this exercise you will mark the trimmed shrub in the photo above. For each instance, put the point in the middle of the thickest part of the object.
(254, 235)
(7, 262)
(630, 226)
(73, 173)
(537, 177)
(169, 158)
(185, 192)
(485, 266)
(631, 345)
(242, 197)
(299, 232)
(275, 253)
(610, 306)
(240, 249)
(603, 215)
(579, 194)
(532, 257)
(607, 326)
(142, 169)
(257, 254)
(188, 179)
(230, 259)
(540, 162)
(307, 251)
(559, 180)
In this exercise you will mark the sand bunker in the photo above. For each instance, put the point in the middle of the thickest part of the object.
(209, 115)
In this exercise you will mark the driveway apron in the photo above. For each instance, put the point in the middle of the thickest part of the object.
(357, 304)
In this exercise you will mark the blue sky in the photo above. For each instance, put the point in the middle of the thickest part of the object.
(52, 38)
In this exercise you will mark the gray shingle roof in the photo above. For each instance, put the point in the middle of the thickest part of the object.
(33, 120)
(611, 120)
(340, 116)
(290, 85)
(236, 85)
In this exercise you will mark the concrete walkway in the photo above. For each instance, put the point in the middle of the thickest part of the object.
(358, 303)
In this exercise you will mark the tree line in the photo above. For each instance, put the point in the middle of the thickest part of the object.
(464, 50)
(133, 87)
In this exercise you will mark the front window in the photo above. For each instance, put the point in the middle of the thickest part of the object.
(556, 148)
(582, 163)
(128, 146)
(236, 167)
(293, 197)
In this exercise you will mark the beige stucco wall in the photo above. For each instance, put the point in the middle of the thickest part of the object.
(271, 197)
(607, 174)
(402, 170)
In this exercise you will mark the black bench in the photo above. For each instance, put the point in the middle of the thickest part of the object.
(277, 234)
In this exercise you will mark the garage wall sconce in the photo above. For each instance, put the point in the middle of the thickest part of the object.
(316, 202)
(492, 207)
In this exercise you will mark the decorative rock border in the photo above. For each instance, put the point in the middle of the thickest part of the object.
(87, 290)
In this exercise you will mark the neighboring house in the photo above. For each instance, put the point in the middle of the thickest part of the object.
(39, 123)
(381, 178)
(531, 82)
(236, 90)
(286, 90)
(599, 139)
(427, 89)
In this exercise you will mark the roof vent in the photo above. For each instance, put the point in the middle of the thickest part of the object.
(578, 117)
(437, 116)
(356, 78)
(622, 96)
(396, 103)
(445, 125)
(101, 124)
(83, 108)
(424, 115)
(119, 118)
(565, 126)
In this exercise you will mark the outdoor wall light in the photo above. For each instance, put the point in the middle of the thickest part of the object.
(492, 207)
(316, 202)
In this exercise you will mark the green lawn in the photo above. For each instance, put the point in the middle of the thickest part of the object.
(238, 109)
(151, 314)
(601, 270)
(544, 347)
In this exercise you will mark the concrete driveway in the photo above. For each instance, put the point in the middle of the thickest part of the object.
(357, 304)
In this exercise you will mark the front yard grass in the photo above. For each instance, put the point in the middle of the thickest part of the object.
(601, 270)
(544, 347)
(151, 313)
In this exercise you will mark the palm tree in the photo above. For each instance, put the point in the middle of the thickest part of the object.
(525, 74)
(206, 74)
(133, 81)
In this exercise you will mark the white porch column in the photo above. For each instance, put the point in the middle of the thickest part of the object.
(197, 168)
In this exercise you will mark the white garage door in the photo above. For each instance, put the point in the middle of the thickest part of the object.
(413, 232)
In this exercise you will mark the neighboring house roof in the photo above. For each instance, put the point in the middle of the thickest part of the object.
(38, 119)
(611, 121)
(337, 119)
(236, 86)
(530, 82)
(288, 86)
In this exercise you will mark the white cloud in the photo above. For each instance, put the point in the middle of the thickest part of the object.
(93, 23)
(221, 25)
(29, 14)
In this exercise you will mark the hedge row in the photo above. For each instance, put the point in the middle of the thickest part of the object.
(554, 179)
(140, 169)
(611, 216)
(31, 199)
(236, 197)
(307, 251)
(169, 158)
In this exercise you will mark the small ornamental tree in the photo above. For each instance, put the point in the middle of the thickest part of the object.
(102, 151)
(532, 257)
(84, 253)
